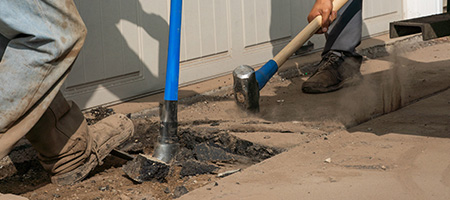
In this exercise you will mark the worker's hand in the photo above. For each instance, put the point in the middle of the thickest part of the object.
(324, 8)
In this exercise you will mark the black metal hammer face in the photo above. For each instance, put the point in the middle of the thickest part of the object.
(248, 82)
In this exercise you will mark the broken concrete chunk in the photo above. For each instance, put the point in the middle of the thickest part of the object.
(204, 152)
(146, 168)
(193, 167)
(183, 155)
(7, 167)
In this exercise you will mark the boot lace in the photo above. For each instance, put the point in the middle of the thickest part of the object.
(95, 151)
(331, 60)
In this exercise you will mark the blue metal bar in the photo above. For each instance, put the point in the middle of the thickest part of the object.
(173, 57)
(168, 143)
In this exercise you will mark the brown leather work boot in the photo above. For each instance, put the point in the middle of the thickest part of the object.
(68, 148)
(335, 71)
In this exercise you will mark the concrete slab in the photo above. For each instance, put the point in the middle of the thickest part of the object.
(397, 160)
(325, 159)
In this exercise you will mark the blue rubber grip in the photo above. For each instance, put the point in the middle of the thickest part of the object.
(266, 72)
(173, 54)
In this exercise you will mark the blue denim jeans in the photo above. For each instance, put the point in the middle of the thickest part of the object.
(40, 40)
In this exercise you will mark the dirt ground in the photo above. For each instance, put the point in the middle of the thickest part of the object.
(303, 140)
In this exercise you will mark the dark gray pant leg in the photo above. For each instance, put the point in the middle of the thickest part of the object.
(3, 43)
(345, 33)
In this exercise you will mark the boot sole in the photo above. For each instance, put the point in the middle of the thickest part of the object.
(352, 81)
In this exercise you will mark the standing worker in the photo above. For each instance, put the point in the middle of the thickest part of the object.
(43, 39)
(340, 64)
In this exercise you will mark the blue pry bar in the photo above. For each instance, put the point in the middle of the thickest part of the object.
(173, 57)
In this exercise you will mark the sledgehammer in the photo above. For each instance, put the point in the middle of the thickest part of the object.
(248, 82)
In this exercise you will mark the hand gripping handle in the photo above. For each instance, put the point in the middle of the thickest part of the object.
(304, 35)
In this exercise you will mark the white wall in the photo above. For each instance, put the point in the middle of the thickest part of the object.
(126, 48)
(419, 8)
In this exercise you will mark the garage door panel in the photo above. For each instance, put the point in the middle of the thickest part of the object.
(93, 46)
(222, 31)
(249, 20)
(265, 21)
(280, 20)
(378, 13)
(204, 28)
(376, 8)
(191, 28)
(130, 34)
(111, 43)
(113, 39)
(125, 53)
(207, 30)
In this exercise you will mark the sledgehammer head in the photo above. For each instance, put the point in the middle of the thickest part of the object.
(246, 89)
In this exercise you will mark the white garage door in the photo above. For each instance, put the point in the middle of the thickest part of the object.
(125, 51)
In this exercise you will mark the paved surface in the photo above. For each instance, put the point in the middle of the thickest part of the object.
(402, 155)
(395, 154)
(385, 138)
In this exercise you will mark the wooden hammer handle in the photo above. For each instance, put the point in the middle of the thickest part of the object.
(304, 35)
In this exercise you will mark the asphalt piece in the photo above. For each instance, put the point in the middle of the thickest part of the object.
(146, 168)
(204, 152)
(194, 167)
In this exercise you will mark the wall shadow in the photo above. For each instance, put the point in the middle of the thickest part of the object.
(157, 28)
